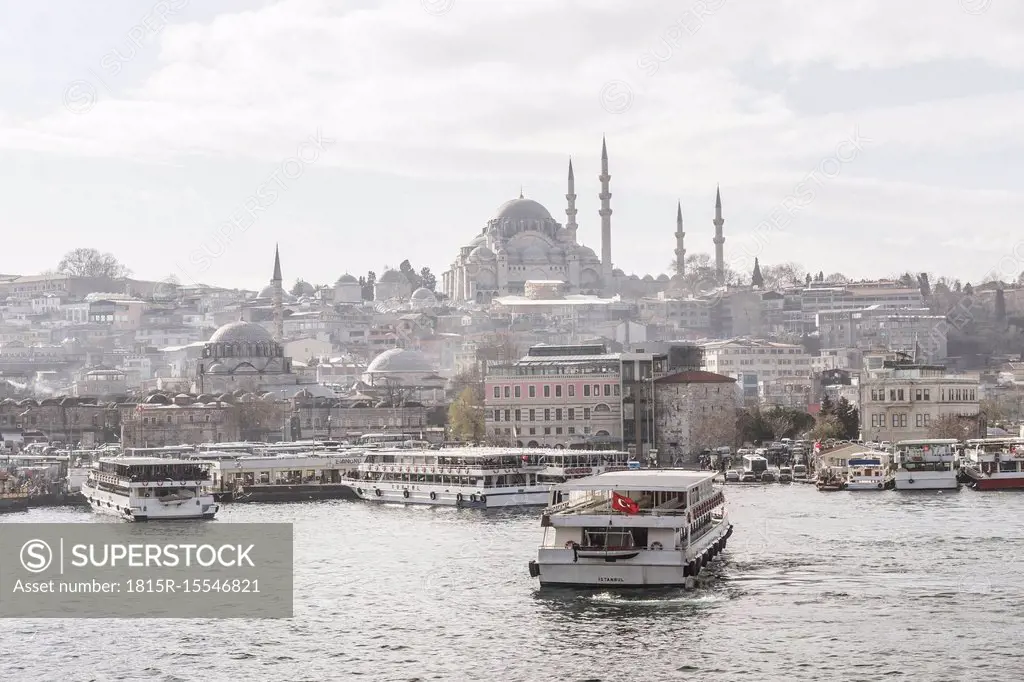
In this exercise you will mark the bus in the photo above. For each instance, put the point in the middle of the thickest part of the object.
(755, 464)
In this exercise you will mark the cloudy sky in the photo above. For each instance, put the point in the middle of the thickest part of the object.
(188, 137)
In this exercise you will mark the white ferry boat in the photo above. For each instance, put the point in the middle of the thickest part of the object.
(151, 488)
(476, 477)
(926, 464)
(994, 463)
(866, 473)
(654, 527)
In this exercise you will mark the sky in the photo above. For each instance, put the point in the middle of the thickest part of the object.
(188, 138)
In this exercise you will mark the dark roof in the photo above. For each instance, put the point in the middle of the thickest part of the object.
(695, 377)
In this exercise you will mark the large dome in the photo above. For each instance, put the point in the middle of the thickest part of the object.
(241, 332)
(523, 209)
(267, 293)
(347, 279)
(400, 360)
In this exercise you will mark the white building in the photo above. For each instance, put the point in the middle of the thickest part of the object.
(752, 361)
(903, 401)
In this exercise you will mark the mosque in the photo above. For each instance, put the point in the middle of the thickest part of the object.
(523, 243)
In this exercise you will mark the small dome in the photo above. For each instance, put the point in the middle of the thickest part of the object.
(28, 402)
(49, 402)
(157, 399)
(423, 294)
(267, 294)
(662, 277)
(241, 332)
(225, 398)
(306, 289)
(391, 277)
(617, 272)
(481, 253)
(586, 252)
(216, 368)
(304, 394)
(347, 279)
(205, 398)
(648, 278)
(523, 209)
(400, 360)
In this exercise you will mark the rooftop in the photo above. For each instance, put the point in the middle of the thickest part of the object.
(673, 480)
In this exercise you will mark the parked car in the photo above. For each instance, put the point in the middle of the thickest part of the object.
(732, 476)
(785, 475)
(748, 477)
(767, 476)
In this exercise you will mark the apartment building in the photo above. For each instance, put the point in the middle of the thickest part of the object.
(903, 401)
(556, 396)
(753, 361)
(876, 327)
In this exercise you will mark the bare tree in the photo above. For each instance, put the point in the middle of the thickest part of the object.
(782, 276)
(954, 426)
(779, 421)
(85, 262)
(713, 430)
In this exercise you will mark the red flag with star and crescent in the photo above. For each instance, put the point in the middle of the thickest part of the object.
(624, 504)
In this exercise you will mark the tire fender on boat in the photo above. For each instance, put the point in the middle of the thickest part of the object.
(656, 546)
(405, 494)
(458, 498)
(433, 495)
(483, 498)
(472, 498)
(879, 486)
(910, 480)
(359, 491)
(377, 492)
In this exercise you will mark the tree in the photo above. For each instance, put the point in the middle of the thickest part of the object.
(782, 276)
(84, 262)
(827, 426)
(299, 288)
(953, 426)
(827, 406)
(907, 280)
(926, 288)
(466, 417)
(779, 421)
(406, 268)
(367, 285)
(849, 418)
(700, 277)
(968, 289)
(756, 279)
(820, 277)
(807, 279)
(427, 279)
(957, 287)
(837, 278)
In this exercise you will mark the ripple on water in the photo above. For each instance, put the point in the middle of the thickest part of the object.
(811, 587)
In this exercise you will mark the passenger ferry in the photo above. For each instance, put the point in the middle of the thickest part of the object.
(926, 464)
(151, 488)
(476, 477)
(994, 463)
(866, 473)
(286, 478)
(654, 527)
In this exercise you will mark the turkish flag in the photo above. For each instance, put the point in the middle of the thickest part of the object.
(624, 504)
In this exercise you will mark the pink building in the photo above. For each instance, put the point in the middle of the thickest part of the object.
(556, 396)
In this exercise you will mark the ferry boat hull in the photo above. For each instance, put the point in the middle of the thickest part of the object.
(995, 481)
(13, 502)
(868, 484)
(926, 480)
(290, 493)
(373, 491)
(638, 568)
(104, 502)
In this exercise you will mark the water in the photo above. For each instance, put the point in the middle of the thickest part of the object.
(813, 586)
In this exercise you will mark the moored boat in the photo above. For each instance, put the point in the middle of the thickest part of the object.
(151, 489)
(994, 463)
(866, 473)
(476, 477)
(829, 481)
(655, 527)
(928, 464)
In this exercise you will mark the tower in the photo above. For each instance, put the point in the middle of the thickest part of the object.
(606, 218)
(680, 250)
(278, 299)
(719, 239)
(570, 210)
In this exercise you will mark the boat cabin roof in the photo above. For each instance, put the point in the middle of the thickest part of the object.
(641, 479)
(928, 441)
(150, 461)
(1004, 440)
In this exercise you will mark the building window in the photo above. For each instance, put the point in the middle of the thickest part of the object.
(586, 413)
(508, 413)
(533, 431)
(899, 395)
(572, 413)
(547, 391)
(533, 415)
(547, 430)
(874, 396)
(547, 414)
(617, 390)
(519, 415)
(919, 420)
(572, 430)
(497, 391)
(558, 391)
(892, 394)
(558, 430)
(508, 391)
(895, 420)
(586, 390)
(517, 392)
(607, 390)
(917, 395)
(558, 414)
(927, 419)
(532, 391)
(927, 394)
(572, 390)
(597, 390)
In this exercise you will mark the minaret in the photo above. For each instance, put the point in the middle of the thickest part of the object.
(278, 299)
(570, 211)
(606, 217)
(719, 239)
(680, 250)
